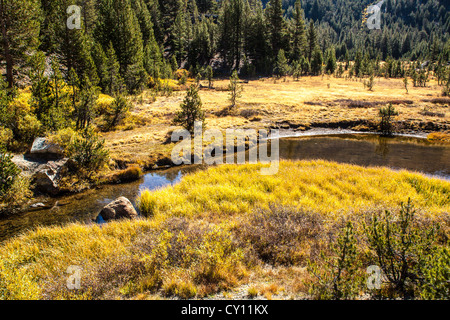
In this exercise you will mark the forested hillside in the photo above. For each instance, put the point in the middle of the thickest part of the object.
(122, 47)
(137, 39)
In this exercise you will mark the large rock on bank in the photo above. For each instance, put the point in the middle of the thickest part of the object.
(119, 208)
(42, 148)
(47, 176)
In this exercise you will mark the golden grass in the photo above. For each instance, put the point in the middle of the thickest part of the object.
(201, 255)
(439, 136)
(325, 187)
(268, 102)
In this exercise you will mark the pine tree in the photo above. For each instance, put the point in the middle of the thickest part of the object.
(119, 25)
(330, 65)
(100, 61)
(209, 75)
(85, 110)
(317, 61)
(19, 32)
(276, 24)
(296, 70)
(298, 36)
(180, 37)
(113, 81)
(232, 21)
(40, 85)
(191, 110)
(312, 40)
(257, 41)
(74, 83)
(153, 58)
(281, 65)
(58, 116)
(235, 88)
(386, 114)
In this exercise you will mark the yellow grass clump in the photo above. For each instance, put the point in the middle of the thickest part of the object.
(197, 242)
(325, 187)
(439, 136)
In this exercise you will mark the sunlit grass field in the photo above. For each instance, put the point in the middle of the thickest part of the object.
(325, 187)
(269, 102)
(195, 239)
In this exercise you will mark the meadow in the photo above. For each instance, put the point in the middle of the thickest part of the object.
(225, 232)
(317, 101)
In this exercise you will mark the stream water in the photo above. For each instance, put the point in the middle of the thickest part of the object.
(400, 152)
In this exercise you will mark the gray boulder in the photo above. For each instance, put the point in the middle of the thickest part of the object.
(119, 208)
(43, 148)
(47, 175)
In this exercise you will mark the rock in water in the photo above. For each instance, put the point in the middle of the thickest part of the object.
(119, 208)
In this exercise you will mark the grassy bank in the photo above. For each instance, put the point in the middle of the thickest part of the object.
(277, 103)
(325, 187)
(218, 232)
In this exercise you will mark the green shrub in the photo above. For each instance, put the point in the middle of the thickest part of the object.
(436, 284)
(398, 246)
(116, 112)
(386, 114)
(338, 275)
(8, 172)
(88, 152)
(191, 110)
(65, 138)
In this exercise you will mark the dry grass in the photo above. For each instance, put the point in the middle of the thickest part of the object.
(320, 186)
(215, 232)
(439, 136)
(265, 103)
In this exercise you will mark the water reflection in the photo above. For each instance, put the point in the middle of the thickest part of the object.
(84, 207)
(370, 150)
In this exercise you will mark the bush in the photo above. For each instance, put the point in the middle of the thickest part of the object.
(436, 274)
(369, 83)
(205, 257)
(8, 172)
(399, 245)
(65, 138)
(88, 152)
(191, 110)
(14, 188)
(338, 276)
(386, 114)
(117, 111)
(104, 103)
(20, 119)
(129, 174)
(280, 235)
(18, 194)
(6, 137)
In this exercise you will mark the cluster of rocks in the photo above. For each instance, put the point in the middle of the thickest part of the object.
(45, 163)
